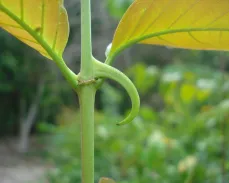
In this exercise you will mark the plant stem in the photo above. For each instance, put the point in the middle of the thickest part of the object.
(105, 71)
(86, 70)
(70, 76)
(87, 98)
(86, 95)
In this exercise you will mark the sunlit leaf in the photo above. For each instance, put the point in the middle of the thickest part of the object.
(191, 24)
(41, 24)
(202, 94)
(106, 180)
(188, 92)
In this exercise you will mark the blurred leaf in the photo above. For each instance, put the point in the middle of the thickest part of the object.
(106, 180)
(118, 7)
(45, 127)
(187, 163)
(6, 87)
(192, 24)
(171, 77)
(188, 92)
(148, 113)
(168, 143)
(202, 94)
(111, 97)
(41, 24)
(218, 112)
(144, 77)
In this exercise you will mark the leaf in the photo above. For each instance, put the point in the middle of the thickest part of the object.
(191, 24)
(188, 92)
(106, 180)
(41, 24)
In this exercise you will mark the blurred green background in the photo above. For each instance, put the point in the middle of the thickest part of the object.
(182, 131)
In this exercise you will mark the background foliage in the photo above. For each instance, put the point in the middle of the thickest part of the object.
(180, 135)
(181, 138)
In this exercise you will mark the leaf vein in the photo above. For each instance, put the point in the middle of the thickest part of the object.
(190, 7)
(139, 20)
(22, 9)
(42, 17)
(22, 38)
(9, 25)
(195, 21)
(194, 38)
(163, 39)
(56, 31)
(217, 18)
(164, 9)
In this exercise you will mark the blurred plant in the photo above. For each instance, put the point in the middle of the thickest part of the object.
(182, 142)
(118, 7)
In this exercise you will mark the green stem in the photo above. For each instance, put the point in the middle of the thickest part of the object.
(86, 71)
(86, 95)
(87, 99)
(105, 71)
(70, 76)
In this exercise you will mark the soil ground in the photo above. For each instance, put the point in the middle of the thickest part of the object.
(17, 168)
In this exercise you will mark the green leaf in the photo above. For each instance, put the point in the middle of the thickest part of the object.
(191, 24)
(41, 24)
(188, 92)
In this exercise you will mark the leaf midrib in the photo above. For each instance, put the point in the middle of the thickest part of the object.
(34, 34)
(157, 34)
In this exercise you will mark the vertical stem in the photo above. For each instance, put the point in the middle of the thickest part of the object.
(87, 98)
(86, 95)
(86, 49)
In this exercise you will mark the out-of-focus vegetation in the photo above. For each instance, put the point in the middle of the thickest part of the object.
(180, 136)
(118, 7)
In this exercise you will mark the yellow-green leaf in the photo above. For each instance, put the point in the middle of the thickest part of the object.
(188, 92)
(106, 180)
(41, 24)
(191, 24)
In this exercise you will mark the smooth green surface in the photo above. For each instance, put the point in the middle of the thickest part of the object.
(91, 69)
(86, 96)
(70, 76)
(86, 70)
(105, 71)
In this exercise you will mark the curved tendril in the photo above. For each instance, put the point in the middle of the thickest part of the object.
(105, 71)
(108, 61)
